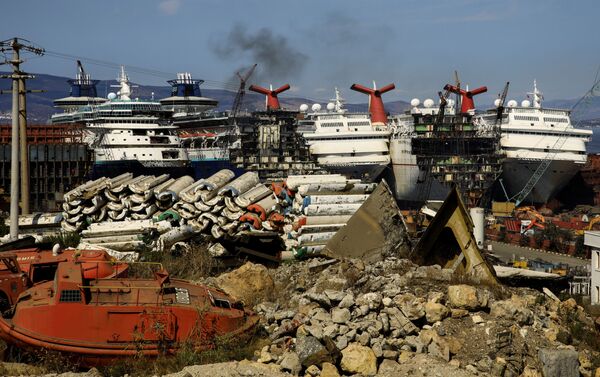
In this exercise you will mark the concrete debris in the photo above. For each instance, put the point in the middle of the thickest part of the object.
(392, 317)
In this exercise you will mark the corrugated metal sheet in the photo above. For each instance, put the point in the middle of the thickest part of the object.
(513, 225)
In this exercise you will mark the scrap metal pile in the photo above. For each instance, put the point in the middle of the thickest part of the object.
(129, 213)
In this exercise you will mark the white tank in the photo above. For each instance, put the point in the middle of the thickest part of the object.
(525, 103)
(303, 108)
(415, 102)
(316, 107)
(497, 102)
(477, 215)
(512, 103)
(330, 106)
(428, 103)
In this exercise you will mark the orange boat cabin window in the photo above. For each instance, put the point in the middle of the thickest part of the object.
(70, 295)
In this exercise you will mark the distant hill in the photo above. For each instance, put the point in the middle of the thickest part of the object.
(40, 107)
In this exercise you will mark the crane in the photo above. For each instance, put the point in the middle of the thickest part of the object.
(239, 97)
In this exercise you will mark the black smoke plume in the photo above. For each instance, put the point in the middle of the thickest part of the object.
(277, 59)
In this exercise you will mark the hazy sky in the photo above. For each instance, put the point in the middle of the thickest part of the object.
(316, 45)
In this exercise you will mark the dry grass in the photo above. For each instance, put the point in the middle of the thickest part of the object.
(196, 264)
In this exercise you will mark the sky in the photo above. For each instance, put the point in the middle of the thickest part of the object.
(318, 45)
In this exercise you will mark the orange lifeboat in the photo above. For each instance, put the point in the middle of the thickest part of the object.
(99, 320)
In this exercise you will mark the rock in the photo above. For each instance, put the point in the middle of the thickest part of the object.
(372, 300)
(439, 348)
(435, 311)
(330, 331)
(340, 315)
(251, 283)
(341, 342)
(559, 362)
(265, 356)
(389, 368)
(284, 314)
(467, 297)
(311, 351)
(477, 319)
(597, 372)
(319, 298)
(398, 321)
(472, 369)
(412, 307)
(313, 371)
(512, 310)
(359, 359)
(363, 338)
(329, 370)
(530, 372)
(458, 313)
(405, 356)
(347, 301)
(390, 354)
(314, 330)
(336, 296)
(386, 301)
(291, 362)
(585, 359)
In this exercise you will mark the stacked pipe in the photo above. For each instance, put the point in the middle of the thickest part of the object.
(321, 206)
(221, 205)
(129, 213)
(119, 199)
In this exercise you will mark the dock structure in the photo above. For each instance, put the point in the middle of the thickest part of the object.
(59, 160)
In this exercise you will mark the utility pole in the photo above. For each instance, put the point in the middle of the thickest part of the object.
(18, 113)
(23, 148)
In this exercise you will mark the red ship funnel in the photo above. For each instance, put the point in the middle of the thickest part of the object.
(466, 96)
(376, 107)
(272, 100)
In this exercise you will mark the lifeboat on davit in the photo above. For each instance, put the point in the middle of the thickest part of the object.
(100, 320)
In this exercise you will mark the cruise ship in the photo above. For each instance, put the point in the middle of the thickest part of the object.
(346, 143)
(127, 135)
(531, 134)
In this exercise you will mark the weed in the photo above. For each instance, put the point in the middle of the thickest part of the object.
(193, 265)
(65, 239)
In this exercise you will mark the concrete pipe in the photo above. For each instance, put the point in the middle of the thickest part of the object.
(253, 195)
(331, 209)
(240, 185)
(294, 181)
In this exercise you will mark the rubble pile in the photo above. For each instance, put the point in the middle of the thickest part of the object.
(396, 318)
(305, 210)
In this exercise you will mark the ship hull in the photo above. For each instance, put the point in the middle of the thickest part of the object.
(516, 173)
(366, 172)
(112, 169)
(407, 184)
(206, 168)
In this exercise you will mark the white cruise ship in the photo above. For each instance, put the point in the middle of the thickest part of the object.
(345, 143)
(531, 134)
(129, 135)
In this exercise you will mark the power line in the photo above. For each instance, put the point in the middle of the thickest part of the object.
(133, 68)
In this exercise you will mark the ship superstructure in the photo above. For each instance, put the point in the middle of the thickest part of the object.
(530, 134)
(347, 143)
(434, 148)
(129, 135)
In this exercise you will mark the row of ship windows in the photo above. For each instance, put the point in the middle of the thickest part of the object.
(348, 138)
(542, 133)
(546, 150)
(537, 119)
(545, 111)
